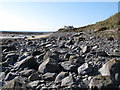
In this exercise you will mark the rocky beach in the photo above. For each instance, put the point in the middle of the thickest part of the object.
(60, 61)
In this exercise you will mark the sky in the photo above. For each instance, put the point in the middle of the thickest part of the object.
(50, 16)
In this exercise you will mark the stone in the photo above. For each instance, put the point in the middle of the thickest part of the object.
(49, 76)
(84, 69)
(68, 81)
(85, 49)
(10, 76)
(101, 82)
(114, 54)
(16, 84)
(34, 84)
(61, 76)
(48, 66)
(111, 68)
(28, 62)
(69, 66)
(33, 77)
(101, 53)
(27, 72)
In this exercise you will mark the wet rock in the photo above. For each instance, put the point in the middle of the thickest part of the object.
(84, 69)
(48, 66)
(61, 76)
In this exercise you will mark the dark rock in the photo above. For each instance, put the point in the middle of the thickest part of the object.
(10, 76)
(48, 66)
(102, 53)
(33, 77)
(29, 62)
(84, 69)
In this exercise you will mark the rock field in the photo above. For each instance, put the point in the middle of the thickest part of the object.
(63, 61)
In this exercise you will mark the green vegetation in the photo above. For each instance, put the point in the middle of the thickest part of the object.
(112, 22)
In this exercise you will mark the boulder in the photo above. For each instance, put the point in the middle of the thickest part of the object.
(34, 84)
(10, 76)
(49, 76)
(85, 49)
(69, 66)
(33, 77)
(48, 65)
(101, 82)
(16, 84)
(68, 81)
(84, 69)
(111, 68)
(27, 72)
(61, 76)
(28, 62)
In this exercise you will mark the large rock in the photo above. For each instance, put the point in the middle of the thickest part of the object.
(33, 77)
(48, 65)
(68, 81)
(27, 72)
(49, 76)
(69, 66)
(111, 68)
(61, 76)
(84, 69)
(10, 76)
(28, 62)
(16, 84)
(86, 49)
(101, 82)
(34, 84)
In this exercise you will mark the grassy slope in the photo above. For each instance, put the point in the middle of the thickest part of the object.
(108, 27)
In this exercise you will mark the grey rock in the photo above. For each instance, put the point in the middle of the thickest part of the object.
(48, 66)
(101, 82)
(69, 66)
(84, 69)
(49, 76)
(33, 77)
(61, 76)
(28, 62)
(85, 49)
(10, 76)
(67, 81)
(34, 84)
(27, 72)
(112, 69)
(16, 84)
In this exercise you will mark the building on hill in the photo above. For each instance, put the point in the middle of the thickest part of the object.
(68, 27)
